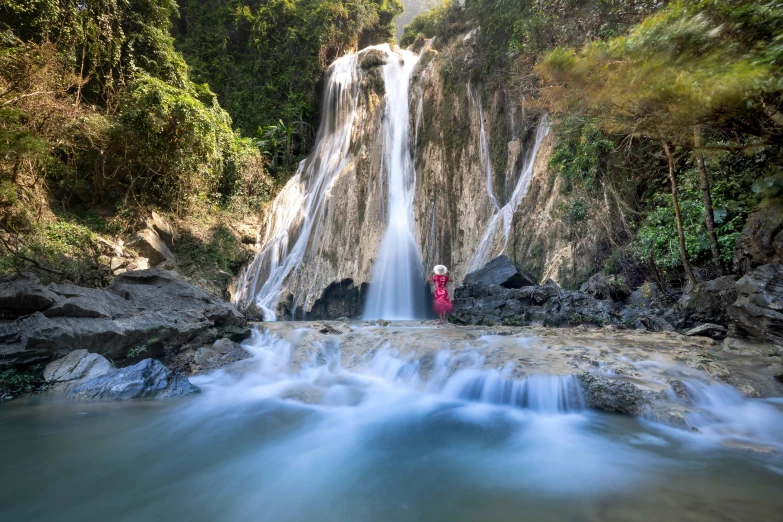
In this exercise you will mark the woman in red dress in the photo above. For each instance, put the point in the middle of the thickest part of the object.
(442, 302)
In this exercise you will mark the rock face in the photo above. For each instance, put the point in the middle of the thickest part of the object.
(713, 331)
(602, 286)
(707, 302)
(489, 304)
(480, 191)
(758, 311)
(75, 369)
(151, 246)
(147, 311)
(22, 294)
(761, 242)
(147, 379)
(500, 271)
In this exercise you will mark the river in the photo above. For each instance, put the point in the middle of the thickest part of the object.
(377, 440)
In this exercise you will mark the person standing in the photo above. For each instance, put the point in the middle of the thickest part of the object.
(442, 303)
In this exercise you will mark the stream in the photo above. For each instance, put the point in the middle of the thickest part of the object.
(287, 437)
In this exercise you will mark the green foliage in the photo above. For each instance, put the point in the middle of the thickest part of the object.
(717, 62)
(732, 200)
(264, 59)
(135, 352)
(13, 383)
(580, 151)
(436, 21)
(177, 138)
(66, 248)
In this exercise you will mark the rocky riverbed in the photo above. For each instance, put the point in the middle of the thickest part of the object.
(657, 375)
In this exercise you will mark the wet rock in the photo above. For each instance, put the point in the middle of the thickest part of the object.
(336, 327)
(758, 311)
(149, 378)
(75, 369)
(253, 312)
(707, 302)
(602, 286)
(372, 58)
(615, 395)
(22, 294)
(150, 245)
(204, 357)
(500, 271)
(713, 331)
(151, 311)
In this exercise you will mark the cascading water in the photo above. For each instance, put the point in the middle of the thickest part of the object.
(488, 245)
(397, 287)
(293, 222)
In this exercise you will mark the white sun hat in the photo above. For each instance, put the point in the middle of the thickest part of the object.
(440, 270)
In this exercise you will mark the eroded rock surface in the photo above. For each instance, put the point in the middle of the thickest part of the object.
(758, 311)
(148, 311)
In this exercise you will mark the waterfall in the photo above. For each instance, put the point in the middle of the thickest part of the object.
(397, 287)
(296, 213)
(486, 250)
(542, 393)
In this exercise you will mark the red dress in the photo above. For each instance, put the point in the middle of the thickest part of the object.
(442, 302)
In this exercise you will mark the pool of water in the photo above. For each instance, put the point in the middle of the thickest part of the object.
(380, 444)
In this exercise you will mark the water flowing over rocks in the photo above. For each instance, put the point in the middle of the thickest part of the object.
(148, 311)
(666, 377)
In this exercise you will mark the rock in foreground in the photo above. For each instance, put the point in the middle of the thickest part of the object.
(152, 312)
(147, 379)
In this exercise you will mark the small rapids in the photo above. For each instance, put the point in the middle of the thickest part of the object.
(382, 435)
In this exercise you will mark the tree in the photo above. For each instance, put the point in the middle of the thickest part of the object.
(696, 64)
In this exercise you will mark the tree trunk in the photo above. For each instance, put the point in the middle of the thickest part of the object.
(677, 216)
(709, 219)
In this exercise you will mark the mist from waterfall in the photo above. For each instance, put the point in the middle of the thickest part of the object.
(397, 290)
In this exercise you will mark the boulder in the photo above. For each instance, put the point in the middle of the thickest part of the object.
(617, 395)
(372, 58)
(77, 301)
(164, 230)
(602, 286)
(545, 292)
(149, 378)
(707, 302)
(758, 311)
(500, 271)
(150, 245)
(75, 369)
(761, 241)
(644, 296)
(149, 311)
(713, 331)
(22, 294)
(221, 353)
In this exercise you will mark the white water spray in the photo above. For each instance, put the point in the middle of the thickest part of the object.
(397, 287)
(296, 214)
(487, 247)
